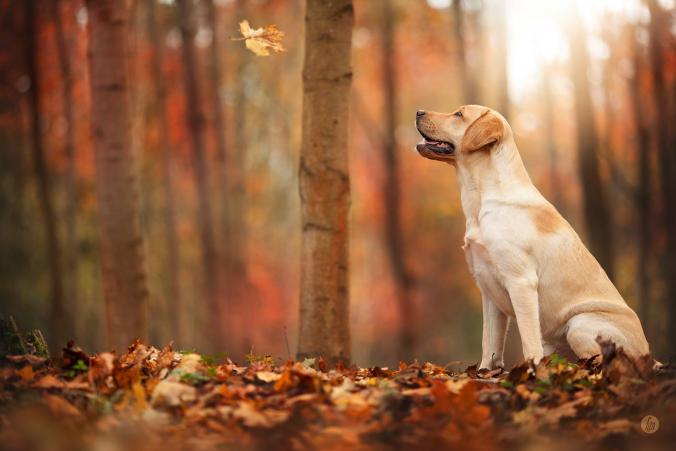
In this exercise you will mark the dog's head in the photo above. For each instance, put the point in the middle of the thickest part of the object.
(452, 137)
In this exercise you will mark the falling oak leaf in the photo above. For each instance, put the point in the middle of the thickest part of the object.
(261, 40)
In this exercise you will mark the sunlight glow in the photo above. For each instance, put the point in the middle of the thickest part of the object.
(536, 34)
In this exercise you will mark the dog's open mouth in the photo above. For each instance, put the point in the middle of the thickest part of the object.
(436, 146)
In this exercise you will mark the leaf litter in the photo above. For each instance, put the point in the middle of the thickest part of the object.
(150, 397)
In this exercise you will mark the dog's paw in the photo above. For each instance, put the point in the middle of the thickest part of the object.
(491, 365)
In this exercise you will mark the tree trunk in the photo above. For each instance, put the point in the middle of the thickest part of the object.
(555, 186)
(468, 85)
(642, 193)
(666, 157)
(216, 81)
(196, 127)
(324, 181)
(234, 228)
(59, 318)
(124, 279)
(392, 193)
(174, 301)
(606, 148)
(595, 206)
(501, 58)
(71, 244)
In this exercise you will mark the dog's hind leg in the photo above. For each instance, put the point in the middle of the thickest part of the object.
(585, 328)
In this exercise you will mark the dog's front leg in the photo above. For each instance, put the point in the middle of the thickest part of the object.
(524, 297)
(493, 336)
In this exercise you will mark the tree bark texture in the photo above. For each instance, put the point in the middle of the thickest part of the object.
(174, 301)
(595, 206)
(324, 181)
(124, 279)
(196, 127)
(392, 193)
(59, 320)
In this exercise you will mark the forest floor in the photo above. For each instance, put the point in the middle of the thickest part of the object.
(150, 398)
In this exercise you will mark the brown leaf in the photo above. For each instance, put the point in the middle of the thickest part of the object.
(261, 40)
(252, 417)
(171, 393)
(26, 373)
(268, 376)
(27, 358)
(60, 407)
(49, 381)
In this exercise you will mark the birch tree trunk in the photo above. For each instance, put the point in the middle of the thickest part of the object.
(595, 206)
(392, 194)
(59, 320)
(124, 279)
(201, 173)
(175, 304)
(324, 181)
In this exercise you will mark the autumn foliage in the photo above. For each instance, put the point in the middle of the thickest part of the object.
(149, 396)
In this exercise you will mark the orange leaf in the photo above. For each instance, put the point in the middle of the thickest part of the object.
(261, 40)
(60, 407)
(26, 373)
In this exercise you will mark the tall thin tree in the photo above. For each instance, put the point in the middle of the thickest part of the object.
(235, 234)
(122, 259)
(59, 320)
(392, 190)
(71, 243)
(666, 154)
(501, 40)
(325, 181)
(642, 197)
(555, 186)
(196, 124)
(595, 206)
(175, 305)
(216, 82)
(468, 83)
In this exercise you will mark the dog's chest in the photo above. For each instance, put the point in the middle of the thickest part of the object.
(484, 271)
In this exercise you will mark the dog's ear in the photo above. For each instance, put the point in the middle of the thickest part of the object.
(485, 131)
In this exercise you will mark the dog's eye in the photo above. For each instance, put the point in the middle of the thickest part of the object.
(458, 113)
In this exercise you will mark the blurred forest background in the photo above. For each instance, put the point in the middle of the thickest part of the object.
(588, 87)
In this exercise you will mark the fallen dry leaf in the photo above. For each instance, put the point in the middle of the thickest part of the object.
(26, 373)
(174, 397)
(267, 376)
(59, 406)
(170, 393)
(27, 358)
(49, 381)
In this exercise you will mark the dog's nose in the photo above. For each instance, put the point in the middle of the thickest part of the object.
(419, 113)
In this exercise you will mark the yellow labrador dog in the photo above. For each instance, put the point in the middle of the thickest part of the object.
(528, 262)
